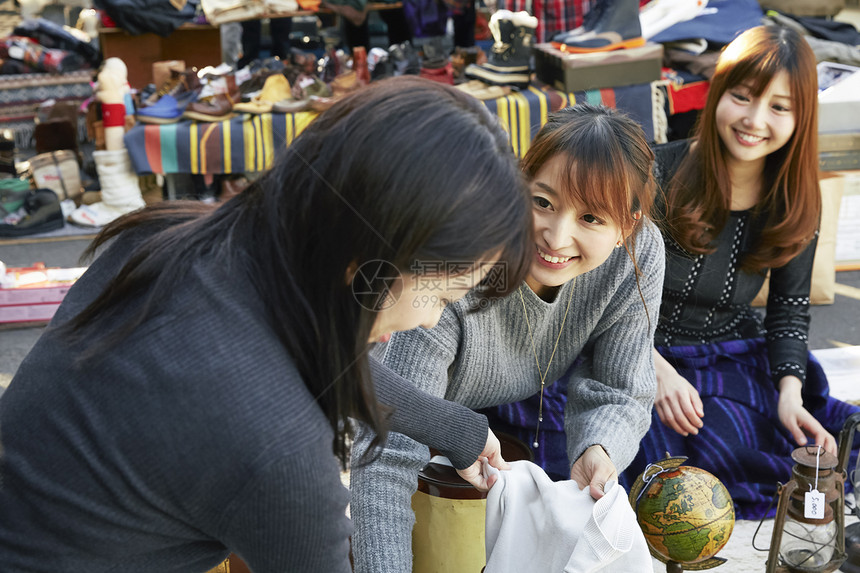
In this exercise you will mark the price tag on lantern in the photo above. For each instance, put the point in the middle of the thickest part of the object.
(813, 506)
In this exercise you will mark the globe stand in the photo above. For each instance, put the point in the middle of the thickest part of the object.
(852, 548)
(668, 463)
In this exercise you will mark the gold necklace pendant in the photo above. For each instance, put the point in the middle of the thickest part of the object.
(541, 372)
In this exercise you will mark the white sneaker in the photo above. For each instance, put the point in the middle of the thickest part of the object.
(95, 215)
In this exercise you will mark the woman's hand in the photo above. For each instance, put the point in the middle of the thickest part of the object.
(797, 419)
(493, 454)
(678, 404)
(595, 469)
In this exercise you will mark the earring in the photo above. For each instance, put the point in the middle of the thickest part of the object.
(637, 215)
(618, 244)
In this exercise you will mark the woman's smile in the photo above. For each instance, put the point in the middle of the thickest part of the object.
(748, 139)
(553, 261)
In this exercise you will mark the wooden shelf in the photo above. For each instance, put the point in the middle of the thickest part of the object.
(371, 7)
(198, 45)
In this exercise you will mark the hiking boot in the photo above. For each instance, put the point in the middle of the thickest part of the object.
(178, 84)
(611, 25)
(275, 89)
(508, 62)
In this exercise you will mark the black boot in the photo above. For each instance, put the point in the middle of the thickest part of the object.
(508, 62)
(611, 25)
(404, 59)
(7, 155)
(41, 213)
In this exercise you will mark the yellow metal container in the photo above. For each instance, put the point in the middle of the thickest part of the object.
(449, 517)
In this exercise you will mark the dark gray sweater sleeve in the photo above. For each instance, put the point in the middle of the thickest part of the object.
(456, 431)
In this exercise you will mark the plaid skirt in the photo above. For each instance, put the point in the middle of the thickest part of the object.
(742, 442)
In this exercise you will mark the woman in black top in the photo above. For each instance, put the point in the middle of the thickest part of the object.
(737, 394)
(187, 397)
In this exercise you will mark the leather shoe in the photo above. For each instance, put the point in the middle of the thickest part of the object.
(216, 107)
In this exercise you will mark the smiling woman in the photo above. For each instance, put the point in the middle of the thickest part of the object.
(595, 269)
(571, 238)
(736, 394)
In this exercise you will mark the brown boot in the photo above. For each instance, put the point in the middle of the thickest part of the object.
(218, 106)
(359, 64)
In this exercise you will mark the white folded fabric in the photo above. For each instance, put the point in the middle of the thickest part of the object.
(535, 524)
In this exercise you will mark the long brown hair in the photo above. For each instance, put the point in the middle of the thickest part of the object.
(609, 167)
(698, 198)
(380, 176)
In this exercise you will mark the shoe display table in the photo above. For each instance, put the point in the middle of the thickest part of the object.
(249, 142)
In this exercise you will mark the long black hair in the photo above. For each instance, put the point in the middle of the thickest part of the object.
(405, 171)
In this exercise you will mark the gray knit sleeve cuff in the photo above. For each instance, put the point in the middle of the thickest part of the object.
(456, 431)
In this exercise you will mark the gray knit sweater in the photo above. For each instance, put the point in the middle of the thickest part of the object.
(485, 358)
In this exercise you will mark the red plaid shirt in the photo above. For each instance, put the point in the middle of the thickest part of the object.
(553, 16)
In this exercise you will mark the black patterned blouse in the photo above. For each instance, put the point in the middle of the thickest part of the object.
(706, 298)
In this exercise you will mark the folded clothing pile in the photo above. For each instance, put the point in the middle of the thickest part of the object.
(24, 55)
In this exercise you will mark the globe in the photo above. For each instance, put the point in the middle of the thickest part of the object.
(685, 513)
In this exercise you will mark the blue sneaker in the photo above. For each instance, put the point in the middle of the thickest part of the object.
(168, 108)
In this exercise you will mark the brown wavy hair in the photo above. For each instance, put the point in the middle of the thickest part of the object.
(609, 167)
(608, 162)
(698, 198)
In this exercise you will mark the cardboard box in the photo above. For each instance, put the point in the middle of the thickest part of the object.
(29, 294)
(839, 104)
(848, 227)
(829, 141)
(578, 72)
(823, 288)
